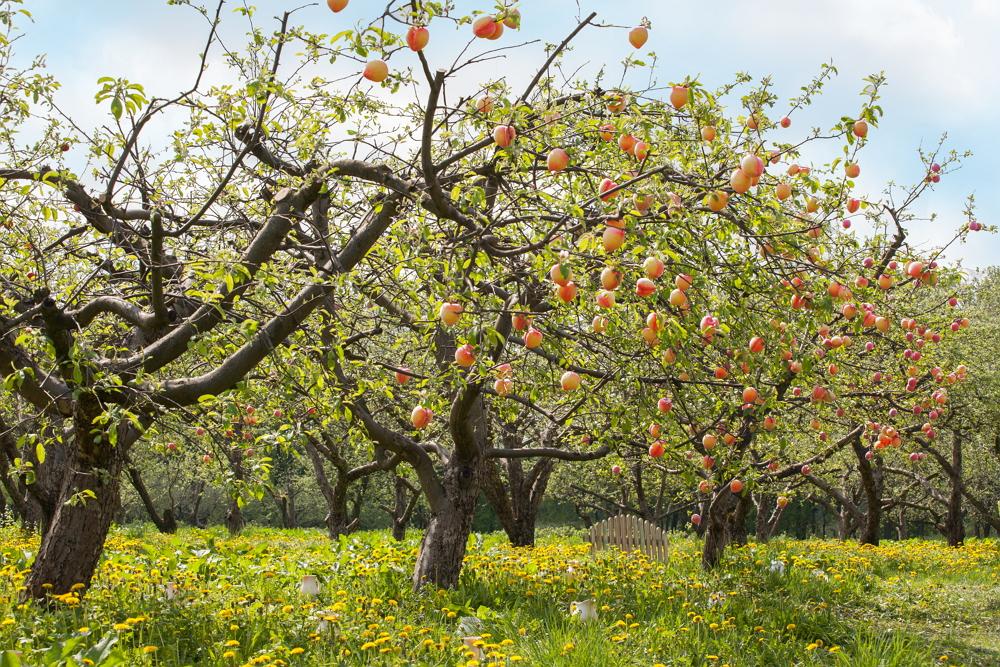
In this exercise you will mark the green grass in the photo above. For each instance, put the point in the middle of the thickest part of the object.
(905, 603)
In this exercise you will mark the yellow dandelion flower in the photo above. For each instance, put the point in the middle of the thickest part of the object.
(150, 649)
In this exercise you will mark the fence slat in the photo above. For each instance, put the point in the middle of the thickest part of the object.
(629, 533)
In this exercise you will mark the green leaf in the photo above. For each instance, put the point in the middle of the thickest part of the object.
(9, 659)
(40, 453)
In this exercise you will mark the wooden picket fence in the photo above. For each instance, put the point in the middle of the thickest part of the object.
(629, 533)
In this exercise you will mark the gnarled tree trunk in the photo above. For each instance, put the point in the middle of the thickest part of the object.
(718, 524)
(767, 518)
(334, 494)
(165, 523)
(404, 503)
(738, 520)
(872, 483)
(517, 501)
(88, 499)
(442, 549)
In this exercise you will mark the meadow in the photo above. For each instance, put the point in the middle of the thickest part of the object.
(201, 597)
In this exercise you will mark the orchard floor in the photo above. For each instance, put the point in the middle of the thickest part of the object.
(238, 603)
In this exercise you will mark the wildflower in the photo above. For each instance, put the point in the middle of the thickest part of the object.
(150, 649)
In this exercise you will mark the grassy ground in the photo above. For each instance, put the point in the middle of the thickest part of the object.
(238, 603)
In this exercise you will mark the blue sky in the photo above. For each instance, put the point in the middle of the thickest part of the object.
(940, 57)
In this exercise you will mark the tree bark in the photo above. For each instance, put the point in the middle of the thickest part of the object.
(18, 504)
(88, 500)
(718, 521)
(767, 519)
(737, 527)
(334, 494)
(235, 522)
(902, 529)
(198, 495)
(439, 562)
(166, 523)
(871, 482)
(517, 502)
(35, 502)
(405, 501)
(954, 521)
